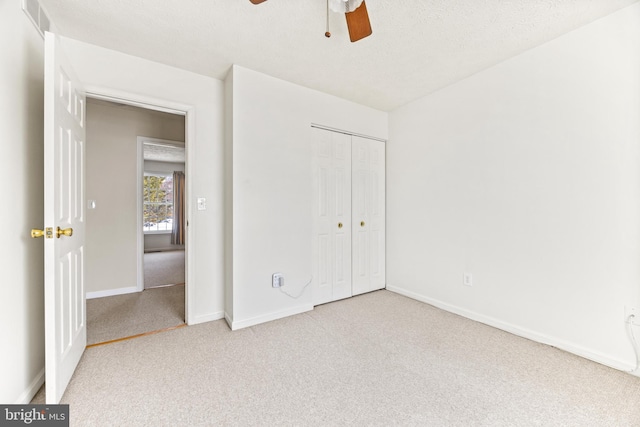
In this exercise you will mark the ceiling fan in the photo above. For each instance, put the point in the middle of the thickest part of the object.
(356, 13)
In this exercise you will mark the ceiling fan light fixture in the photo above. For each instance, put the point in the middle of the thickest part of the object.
(344, 6)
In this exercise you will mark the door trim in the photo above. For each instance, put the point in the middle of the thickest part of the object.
(346, 132)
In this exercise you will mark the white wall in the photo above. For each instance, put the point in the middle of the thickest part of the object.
(526, 175)
(269, 151)
(111, 180)
(107, 71)
(161, 241)
(21, 172)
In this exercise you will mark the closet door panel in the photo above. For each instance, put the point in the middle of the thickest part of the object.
(361, 205)
(368, 215)
(332, 216)
(377, 241)
(322, 257)
(342, 215)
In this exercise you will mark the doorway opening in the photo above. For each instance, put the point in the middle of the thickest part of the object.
(161, 167)
(135, 267)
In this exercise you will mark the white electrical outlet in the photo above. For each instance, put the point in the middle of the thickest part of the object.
(467, 279)
(277, 280)
(632, 311)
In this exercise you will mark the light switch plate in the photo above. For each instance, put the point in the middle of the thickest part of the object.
(202, 203)
(467, 279)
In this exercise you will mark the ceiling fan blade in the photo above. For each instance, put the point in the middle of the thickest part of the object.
(358, 23)
(257, 1)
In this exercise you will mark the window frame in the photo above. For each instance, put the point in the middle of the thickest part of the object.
(159, 174)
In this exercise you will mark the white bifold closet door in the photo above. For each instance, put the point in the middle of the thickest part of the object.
(348, 210)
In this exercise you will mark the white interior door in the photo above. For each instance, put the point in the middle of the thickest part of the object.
(332, 216)
(64, 149)
(368, 245)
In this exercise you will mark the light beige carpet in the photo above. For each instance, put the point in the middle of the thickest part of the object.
(121, 316)
(377, 359)
(163, 268)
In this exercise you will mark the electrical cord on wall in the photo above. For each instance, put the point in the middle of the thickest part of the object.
(301, 292)
(630, 325)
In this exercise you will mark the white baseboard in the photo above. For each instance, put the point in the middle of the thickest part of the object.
(578, 350)
(112, 292)
(33, 387)
(206, 318)
(235, 325)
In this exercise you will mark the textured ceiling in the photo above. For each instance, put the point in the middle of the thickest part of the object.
(417, 46)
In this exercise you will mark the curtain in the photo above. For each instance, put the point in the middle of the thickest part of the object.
(177, 234)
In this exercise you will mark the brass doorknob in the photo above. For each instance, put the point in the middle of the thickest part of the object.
(35, 233)
(64, 232)
(339, 225)
(361, 223)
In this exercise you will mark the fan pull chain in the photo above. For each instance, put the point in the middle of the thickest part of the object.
(327, 34)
